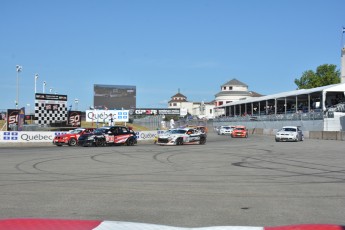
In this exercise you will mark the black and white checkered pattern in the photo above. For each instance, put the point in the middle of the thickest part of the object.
(46, 117)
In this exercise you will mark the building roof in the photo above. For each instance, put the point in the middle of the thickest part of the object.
(179, 100)
(233, 93)
(179, 95)
(235, 82)
(328, 88)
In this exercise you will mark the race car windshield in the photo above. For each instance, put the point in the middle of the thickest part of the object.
(178, 131)
(100, 131)
(76, 131)
(289, 129)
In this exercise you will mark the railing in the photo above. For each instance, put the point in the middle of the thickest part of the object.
(275, 117)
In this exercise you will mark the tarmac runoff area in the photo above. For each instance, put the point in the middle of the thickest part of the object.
(227, 182)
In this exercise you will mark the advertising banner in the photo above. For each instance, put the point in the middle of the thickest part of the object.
(144, 111)
(106, 115)
(74, 118)
(45, 137)
(12, 118)
(27, 136)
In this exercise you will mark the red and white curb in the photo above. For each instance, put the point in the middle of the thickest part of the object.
(48, 224)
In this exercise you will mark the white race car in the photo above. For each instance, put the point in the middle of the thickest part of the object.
(181, 136)
(289, 133)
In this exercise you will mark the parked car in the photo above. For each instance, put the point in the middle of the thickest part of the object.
(225, 130)
(71, 138)
(182, 136)
(289, 133)
(109, 135)
(240, 131)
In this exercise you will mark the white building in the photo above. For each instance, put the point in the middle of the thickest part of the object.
(231, 91)
(199, 109)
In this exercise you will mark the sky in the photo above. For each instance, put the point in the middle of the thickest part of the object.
(163, 46)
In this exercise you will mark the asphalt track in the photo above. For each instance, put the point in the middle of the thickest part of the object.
(227, 182)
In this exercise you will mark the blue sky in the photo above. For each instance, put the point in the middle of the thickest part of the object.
(161, 46)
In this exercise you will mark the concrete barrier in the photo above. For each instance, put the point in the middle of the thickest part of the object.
(329, 135)
(315, 135)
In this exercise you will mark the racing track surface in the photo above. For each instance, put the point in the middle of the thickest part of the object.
(231, 182)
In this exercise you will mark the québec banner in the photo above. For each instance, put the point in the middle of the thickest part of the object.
(30, 137)
(106, 115)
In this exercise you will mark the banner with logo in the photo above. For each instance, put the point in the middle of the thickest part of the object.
(12, 118)
(105, 115)
(35, 137)
(74, 118)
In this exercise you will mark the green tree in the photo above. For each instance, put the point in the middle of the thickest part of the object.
(326, 74)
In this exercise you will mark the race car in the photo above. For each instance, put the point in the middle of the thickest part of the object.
(109, 135)
(182, 136)
(239, 131)
(289, 133)
(71, 137)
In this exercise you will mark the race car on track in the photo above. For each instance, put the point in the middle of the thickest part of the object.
(224, 130)
(289, 133)
(240, 131)
(109, 135)
(182, 136)
(71, 137)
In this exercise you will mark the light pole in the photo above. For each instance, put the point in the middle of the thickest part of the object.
(44, 86)
(29, 111)
(36, 77)
(76, 101)
(18, 69)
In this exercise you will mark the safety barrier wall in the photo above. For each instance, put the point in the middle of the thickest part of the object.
(321, 135)
(46, 136)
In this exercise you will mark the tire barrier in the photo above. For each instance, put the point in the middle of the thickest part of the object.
(60, 224)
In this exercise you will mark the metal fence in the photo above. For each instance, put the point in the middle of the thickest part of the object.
(274, 117)
(158, 122)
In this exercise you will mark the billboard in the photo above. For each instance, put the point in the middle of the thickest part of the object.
(12, 118)
(106, 115)
(114, 96)
(50, 108)
(147, 111)
(74, 118)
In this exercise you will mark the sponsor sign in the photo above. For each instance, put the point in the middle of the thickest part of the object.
(74, 118)
(146, 135)
(51, 97)
(36, 137)
(12, 118)
(23, 136)
(106, 115)
(156, 111)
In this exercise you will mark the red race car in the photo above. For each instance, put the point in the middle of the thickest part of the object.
(71, 137)
(240, 131)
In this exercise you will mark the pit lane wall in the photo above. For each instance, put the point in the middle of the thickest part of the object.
(47, 137)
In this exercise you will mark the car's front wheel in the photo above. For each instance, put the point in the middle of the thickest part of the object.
(72, 142)
(179, 141)
(202, 140)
